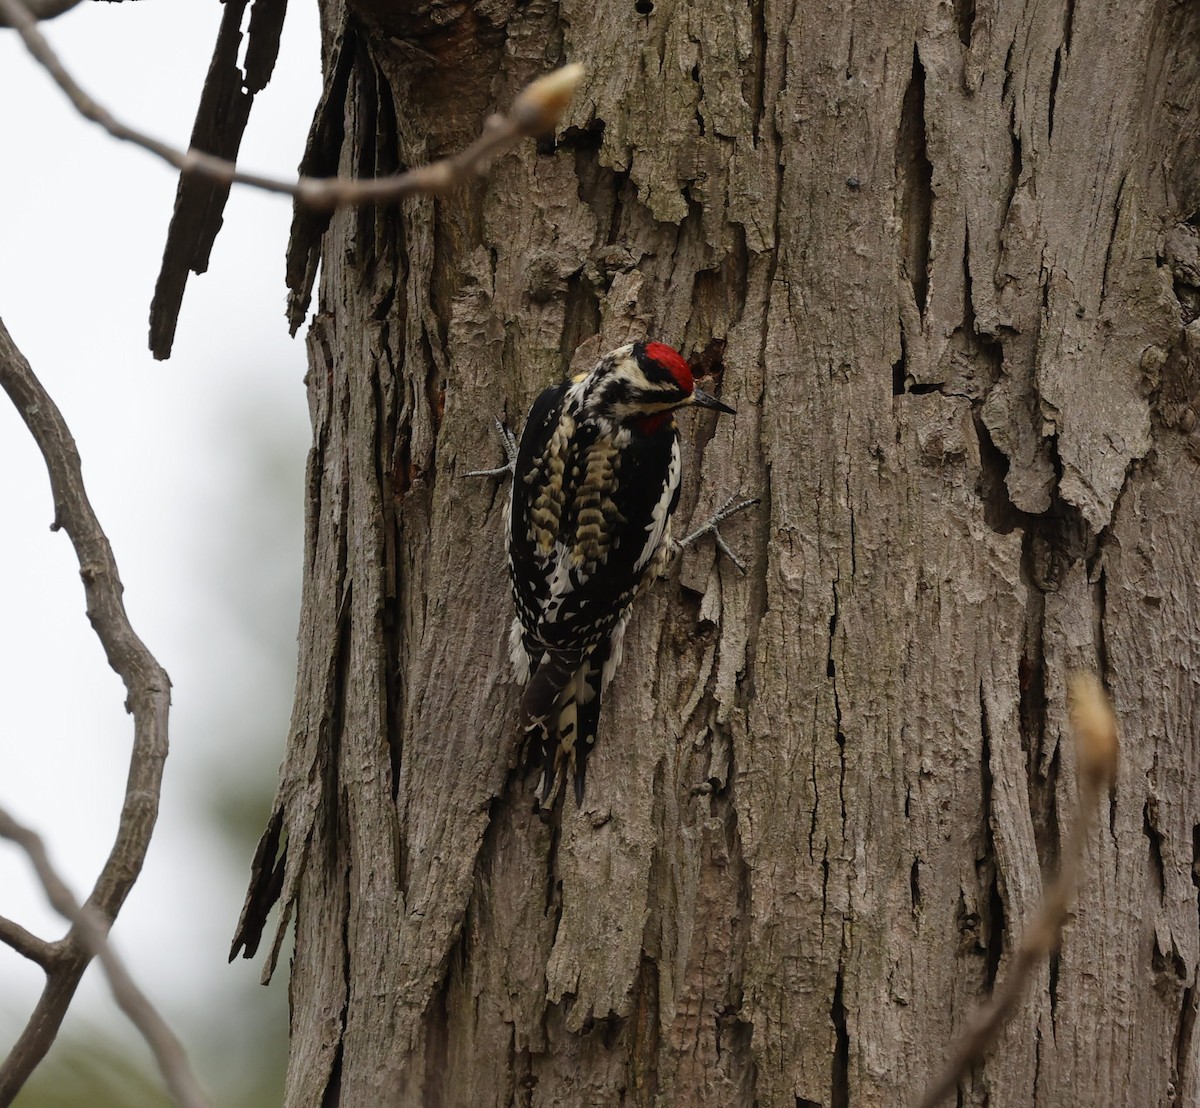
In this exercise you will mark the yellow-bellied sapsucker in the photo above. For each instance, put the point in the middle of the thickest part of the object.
(595, 481)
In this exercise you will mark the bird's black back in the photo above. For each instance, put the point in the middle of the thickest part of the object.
(600, 587)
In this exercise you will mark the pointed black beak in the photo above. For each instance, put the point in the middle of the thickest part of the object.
(703, 400)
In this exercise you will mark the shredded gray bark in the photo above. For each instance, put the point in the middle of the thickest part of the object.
(941, 258)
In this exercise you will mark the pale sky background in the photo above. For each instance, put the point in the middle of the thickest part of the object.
(207, 534)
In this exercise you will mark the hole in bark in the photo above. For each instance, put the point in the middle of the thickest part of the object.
(899, 368)
(1183, 1045)
(969, 323)
(964, 14)
(1196, 862)
(611, 1030)
(1068, 25)
(590, 137)
(999, 512)
(914, 885)
(643, 7)
(1156, 856)
(1054, 75)
(840, 1091)
(1189, 301)
(333, 1089)
(830, 668)
(915, 194)
(995, 932)
(709, 362)
(1170, 969)
(754, 75)
(1054, 542)
(988, 863)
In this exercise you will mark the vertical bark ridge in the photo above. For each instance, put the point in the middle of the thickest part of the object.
(826, 793)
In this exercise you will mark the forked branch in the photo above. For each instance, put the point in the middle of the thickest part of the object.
(149, 697)
(92, 929)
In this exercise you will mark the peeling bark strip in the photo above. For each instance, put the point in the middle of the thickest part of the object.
(828, 791)
(221, 119)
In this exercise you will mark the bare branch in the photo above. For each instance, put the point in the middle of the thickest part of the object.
(92, 929)
(534, 112)
(27, 944)
(44, 9)
(1095, 731)
(149, 698)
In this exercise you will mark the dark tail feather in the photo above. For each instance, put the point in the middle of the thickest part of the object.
(588, 715)
(539, 705)
(540, 712)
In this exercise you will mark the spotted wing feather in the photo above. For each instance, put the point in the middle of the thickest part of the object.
(577, 564)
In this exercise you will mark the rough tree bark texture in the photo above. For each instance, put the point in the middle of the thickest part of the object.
(942, 258)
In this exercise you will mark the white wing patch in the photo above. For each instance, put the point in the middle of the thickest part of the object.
(521, 661)
(616, 650)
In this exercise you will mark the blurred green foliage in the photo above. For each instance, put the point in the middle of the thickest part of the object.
(88, 1066)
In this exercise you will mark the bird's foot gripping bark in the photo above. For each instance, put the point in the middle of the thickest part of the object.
(731, 507)
(509, 442)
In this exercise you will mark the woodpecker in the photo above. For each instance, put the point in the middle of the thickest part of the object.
(595, 482)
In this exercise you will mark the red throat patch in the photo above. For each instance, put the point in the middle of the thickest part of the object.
(651, 424)
(672, 362)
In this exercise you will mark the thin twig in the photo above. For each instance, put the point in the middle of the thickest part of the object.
(27, 944)
(92, 929)
(149, 699)
(44, 9)
(534, 112)
(1095, 731)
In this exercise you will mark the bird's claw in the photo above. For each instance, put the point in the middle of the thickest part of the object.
(729, 508)
(509, 441)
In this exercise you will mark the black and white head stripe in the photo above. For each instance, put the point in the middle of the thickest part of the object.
(639, 379)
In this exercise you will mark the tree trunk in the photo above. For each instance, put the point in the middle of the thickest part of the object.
(942, 258)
